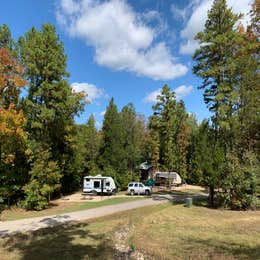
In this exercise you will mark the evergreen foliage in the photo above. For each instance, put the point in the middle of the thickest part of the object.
(208, 158)
(44, 180)
(169, 124)
(216, 62)
(88, 145)
(122, 145)
(228, 63)
(111, 147)
(241, 185)
(51, 105)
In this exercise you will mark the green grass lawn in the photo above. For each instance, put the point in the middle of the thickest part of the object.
(165, 231)
(66, 207)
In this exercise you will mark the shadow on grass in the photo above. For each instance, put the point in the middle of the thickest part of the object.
(201, 202)
(224, 249)
(63, 242)
(197, 199)
(177, 192)
(196, 202)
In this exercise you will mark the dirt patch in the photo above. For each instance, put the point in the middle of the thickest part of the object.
(182, 188)
(189, 187)
(81, 197)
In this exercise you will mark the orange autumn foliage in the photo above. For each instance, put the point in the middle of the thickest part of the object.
(11, 81)
(11, 120)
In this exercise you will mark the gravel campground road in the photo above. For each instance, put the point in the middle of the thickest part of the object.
(31, 224)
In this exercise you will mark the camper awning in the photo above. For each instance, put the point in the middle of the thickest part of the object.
(98, 177)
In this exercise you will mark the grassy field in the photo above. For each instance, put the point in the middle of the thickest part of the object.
(65, 207)
(160, 232)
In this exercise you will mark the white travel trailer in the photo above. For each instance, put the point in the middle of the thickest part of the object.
(172, 178)
(99, 185)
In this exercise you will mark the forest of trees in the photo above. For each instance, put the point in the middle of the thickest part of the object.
(44, 153)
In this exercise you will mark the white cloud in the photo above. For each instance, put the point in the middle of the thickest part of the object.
(152, 97)
(91, 90)
(122, 38)
(198, 17)
(189, 47)
(180, 92)
(183, 13)
(102, 113)
(69, 6)
(153, 17)
(178, 13)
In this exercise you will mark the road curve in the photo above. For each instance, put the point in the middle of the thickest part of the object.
(31, 224)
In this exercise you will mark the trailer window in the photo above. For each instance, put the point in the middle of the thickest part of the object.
(87, 179)
(108, 183)
(96, 184)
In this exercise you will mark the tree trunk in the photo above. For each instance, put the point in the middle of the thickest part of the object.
(211, 196)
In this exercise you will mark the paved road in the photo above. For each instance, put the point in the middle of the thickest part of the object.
(30, 224)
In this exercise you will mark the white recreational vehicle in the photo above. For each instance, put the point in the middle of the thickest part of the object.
(99, 184)
(172, 178)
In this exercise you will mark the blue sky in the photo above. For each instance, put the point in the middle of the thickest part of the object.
(123, 49)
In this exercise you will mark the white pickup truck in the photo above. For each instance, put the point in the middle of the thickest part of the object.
(138, 188)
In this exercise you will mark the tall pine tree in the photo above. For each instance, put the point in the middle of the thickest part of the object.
(51, 104)
(216, 65)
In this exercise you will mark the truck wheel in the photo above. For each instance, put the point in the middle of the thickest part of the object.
(147, 192)
(132, 192)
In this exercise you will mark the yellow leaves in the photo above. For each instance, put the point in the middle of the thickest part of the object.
(11, 131)
(11, 122)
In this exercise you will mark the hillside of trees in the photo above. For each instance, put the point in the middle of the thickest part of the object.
(44, 153)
